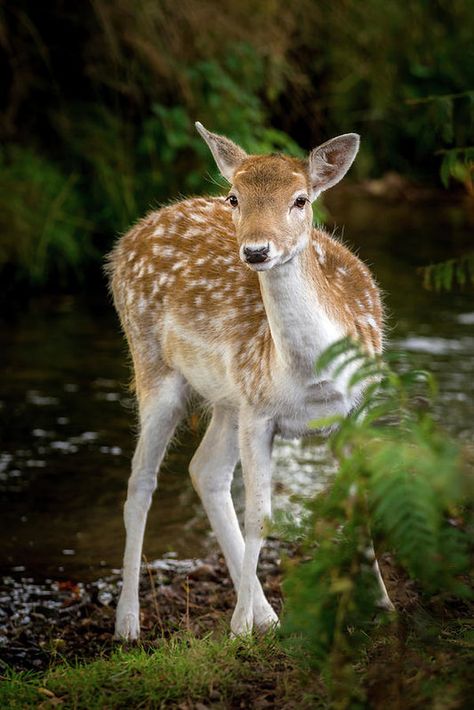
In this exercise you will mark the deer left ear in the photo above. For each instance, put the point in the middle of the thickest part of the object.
(330, 161)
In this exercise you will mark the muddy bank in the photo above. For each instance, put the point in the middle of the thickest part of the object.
(424, 652)
(44, 622)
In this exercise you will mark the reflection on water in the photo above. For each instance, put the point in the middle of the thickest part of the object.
(67, 418)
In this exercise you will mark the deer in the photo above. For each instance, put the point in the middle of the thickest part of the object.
(234, 298)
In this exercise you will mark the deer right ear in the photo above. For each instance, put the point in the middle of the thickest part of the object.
(227, 155)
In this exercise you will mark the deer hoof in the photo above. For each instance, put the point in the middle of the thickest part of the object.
(265, 619)
(385, 604)
(241, 623)
(127, 627)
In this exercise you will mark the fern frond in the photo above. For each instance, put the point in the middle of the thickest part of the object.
(399, 475)
(445, 275)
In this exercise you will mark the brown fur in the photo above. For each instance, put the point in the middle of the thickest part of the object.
(184, 259)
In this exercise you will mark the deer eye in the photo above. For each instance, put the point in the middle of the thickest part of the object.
(300, 202)
(232, 200)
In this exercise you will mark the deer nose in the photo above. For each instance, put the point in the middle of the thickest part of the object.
(255, 255)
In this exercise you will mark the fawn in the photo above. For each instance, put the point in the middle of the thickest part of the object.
(234, 298)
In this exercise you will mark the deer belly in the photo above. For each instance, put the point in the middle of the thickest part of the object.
(203, 365)
(321, 401)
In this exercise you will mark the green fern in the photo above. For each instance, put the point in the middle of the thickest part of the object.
(401, 479)
(447, 274)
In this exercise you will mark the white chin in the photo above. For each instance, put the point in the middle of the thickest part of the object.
(264, 265)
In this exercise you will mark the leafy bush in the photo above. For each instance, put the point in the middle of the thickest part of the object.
(130, 167)
(401, 479)
(403, 74)
(44, 233)
(458, 165)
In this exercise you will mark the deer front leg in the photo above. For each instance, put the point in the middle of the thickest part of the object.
(255, 439)
(211, 470)
(159, 415)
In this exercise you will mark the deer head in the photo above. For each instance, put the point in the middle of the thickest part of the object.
(271, 195)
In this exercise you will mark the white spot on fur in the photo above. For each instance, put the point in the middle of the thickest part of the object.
(196, 217)
(321, 253)
(167, 252)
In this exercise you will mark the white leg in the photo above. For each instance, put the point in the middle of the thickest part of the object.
(384, 601)
(160, 412)
(211, 470)
(255, 437)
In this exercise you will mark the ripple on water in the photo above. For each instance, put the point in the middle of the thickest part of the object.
(40, 400)
(435, 345)
(465, 318)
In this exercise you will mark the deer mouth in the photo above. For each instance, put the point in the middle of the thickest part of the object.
(265, 265)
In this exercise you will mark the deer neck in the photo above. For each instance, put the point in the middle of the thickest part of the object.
(295, 298)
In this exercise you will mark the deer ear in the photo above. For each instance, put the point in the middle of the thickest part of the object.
(227, 155)
(330, 161)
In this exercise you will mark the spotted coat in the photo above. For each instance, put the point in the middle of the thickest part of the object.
(182, 291)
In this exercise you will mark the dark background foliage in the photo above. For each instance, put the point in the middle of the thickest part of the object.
(98, 101)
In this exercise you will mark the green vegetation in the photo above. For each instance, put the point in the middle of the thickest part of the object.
(44, 231)
(100, 100)
(448, 274)
(399, 471)
(184, 670)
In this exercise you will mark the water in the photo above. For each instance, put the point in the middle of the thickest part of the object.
(66, 417)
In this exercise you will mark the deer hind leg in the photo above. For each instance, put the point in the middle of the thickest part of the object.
(255, 443)
(211, 470)
(384, 601)
(160, 411)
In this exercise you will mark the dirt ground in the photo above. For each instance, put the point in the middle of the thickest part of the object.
(422, 658)
(71, 620)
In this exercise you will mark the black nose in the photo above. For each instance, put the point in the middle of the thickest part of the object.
(255, 255)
